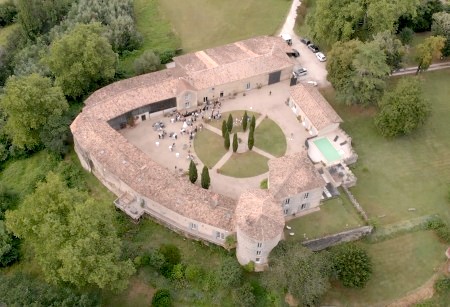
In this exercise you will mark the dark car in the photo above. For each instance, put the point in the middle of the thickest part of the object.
(305, 41)
(313, 48)
(294, 53)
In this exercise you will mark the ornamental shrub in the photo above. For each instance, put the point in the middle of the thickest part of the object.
(235, 142)
(352, 265)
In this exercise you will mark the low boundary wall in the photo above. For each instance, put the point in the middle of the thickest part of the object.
(341, 237)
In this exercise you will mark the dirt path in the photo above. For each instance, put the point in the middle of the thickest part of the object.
(412, 70)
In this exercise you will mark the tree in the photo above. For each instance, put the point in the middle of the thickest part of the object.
(357, 71)
(251, 139)
(429, 50)
(343, 20)
(352, 265)
(392, 48)
(162, 298)
(206, 181)
(193, 175)
(167, 56)
(226, 140)
(8, 12)
(235, 142)
(244, 121)
(230, 273)
(403, 109)
(230, 123)
(224, 128)
(39, 16)
(253, 123)
(441, 26)
(32, 104)
(147, 62)
(9, 247)
(81, 59)
(406, 35)
(302, 273)
(421, 21)
(73, 238)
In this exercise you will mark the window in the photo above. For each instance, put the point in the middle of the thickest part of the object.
(193, 226)
(220, 235)
(286, 211)
(187, 97)
(221, 93)
(258, 253)
(247, 86)
(205, 99)
(303, 206)
(286, 201)
(306, 195)
(258, 260)
(259, 244)
(187, 104)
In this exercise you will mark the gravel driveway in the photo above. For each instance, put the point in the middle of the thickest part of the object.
(307, 59)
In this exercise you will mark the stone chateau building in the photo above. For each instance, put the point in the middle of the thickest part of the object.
(143, 186)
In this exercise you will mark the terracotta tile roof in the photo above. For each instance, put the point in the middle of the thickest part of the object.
(258, 215)
(293, 174)
(314, 105)
(138, 171)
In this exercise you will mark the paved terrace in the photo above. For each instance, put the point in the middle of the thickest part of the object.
(259, 100)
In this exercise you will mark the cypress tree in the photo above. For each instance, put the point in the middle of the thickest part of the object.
(244, 121)
(193, 175)
(251, 139)
(230, 123)
(253, 123)
(226, 141)
(235, 142)
(224, 128)
(206, 181)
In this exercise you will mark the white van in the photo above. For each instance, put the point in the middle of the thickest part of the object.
(287, 38)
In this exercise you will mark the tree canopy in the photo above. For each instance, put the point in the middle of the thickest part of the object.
(357, 71)
(299, 271)
(441, 26)
(352, 265)
(403, 109)
(32, 105)
(392, 48)
(429, 50)
(343, 20)
(73, 237)
(81, 59)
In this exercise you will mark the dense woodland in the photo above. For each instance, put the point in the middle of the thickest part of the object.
(63, 50)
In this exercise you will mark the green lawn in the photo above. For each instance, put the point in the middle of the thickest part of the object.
(335, 215)
(406, 172)
(235, 114)
(270, 138)
(209, 147)
(207, 23)
(243, 165)
(400, 265)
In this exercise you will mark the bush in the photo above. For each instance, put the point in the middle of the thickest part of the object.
(167, 56)
(72, 175)
(162, 298)
(205, 180)
(193, 175)
(171, 253)
(264, 184)
(147, 62)
(406, 35)
(250, 267)
(230, 273)
(178, 271)
(444, 233)
(224, 128)
(155, 259)
(251, 139)
(352, 265)
(235, 142)
(442, 285)
(244, 296)
(244, 121)
(8, 12)
(193, 273)
(253, 123)
(226, 140)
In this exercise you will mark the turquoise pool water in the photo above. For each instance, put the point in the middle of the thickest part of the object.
(327, 149)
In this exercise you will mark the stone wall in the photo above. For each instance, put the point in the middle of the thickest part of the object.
(356, 204)
(341, 237)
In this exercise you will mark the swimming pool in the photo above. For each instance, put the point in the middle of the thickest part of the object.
(327, 149)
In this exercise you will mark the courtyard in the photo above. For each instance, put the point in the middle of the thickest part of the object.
(207, 147)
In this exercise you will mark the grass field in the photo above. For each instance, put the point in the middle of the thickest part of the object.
(209, 147)
(207, 23)
(400, 265)
(243, 165)
(406, 172)
(235, 114)
(270, 138)
(335, 215)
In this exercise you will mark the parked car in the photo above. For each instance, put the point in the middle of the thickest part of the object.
(287, 38)
(321, 56)
(300, 72)
(305, 41)
(313, 48)
(294, 53)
